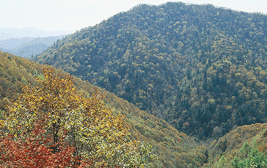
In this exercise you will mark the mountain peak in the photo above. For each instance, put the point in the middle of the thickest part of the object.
(199, 67)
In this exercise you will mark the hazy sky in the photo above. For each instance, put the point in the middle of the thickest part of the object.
(76, 14)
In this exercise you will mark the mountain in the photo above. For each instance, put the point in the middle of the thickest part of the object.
(7, 33)
(200, 68)
(243, 147)
(244, 144)
(173, 148)
(13, 43)
(30, 50)
(26, 47)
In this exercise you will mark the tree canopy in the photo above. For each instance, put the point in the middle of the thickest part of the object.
(200, 68)
(93, 133)
(173, 148)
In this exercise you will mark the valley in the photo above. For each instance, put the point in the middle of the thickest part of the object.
(189, 80)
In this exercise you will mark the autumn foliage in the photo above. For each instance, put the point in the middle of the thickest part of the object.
(36, 152)
(54, 123)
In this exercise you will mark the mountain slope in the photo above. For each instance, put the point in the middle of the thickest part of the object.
(201, 68)
(174, 149)
(243, 143)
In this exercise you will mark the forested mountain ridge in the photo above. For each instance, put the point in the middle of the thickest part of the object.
(173, 148)
(201, 68)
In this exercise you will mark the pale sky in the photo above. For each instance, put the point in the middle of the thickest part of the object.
(73, 15)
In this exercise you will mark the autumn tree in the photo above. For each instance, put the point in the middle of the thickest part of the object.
(68, 116)
(36, 151)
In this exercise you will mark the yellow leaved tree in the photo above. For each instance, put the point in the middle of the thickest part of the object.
(85, 123)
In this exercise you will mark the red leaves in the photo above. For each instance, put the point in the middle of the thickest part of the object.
(35, 151)
(45, 115)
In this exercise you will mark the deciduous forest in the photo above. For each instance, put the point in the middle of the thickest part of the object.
(173, 85)
(200, 68)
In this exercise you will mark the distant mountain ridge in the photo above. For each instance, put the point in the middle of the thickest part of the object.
(28, 41)
(7, 33)
(202, 69)
(28, 46)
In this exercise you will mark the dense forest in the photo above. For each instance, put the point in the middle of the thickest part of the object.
(200, 68)
(171, 148)
(173, 85)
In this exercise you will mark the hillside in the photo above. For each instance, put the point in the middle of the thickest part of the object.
(174, 149)
(201, 68)
(242, 147)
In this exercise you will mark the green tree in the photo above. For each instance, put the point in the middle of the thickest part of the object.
(250, 157)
